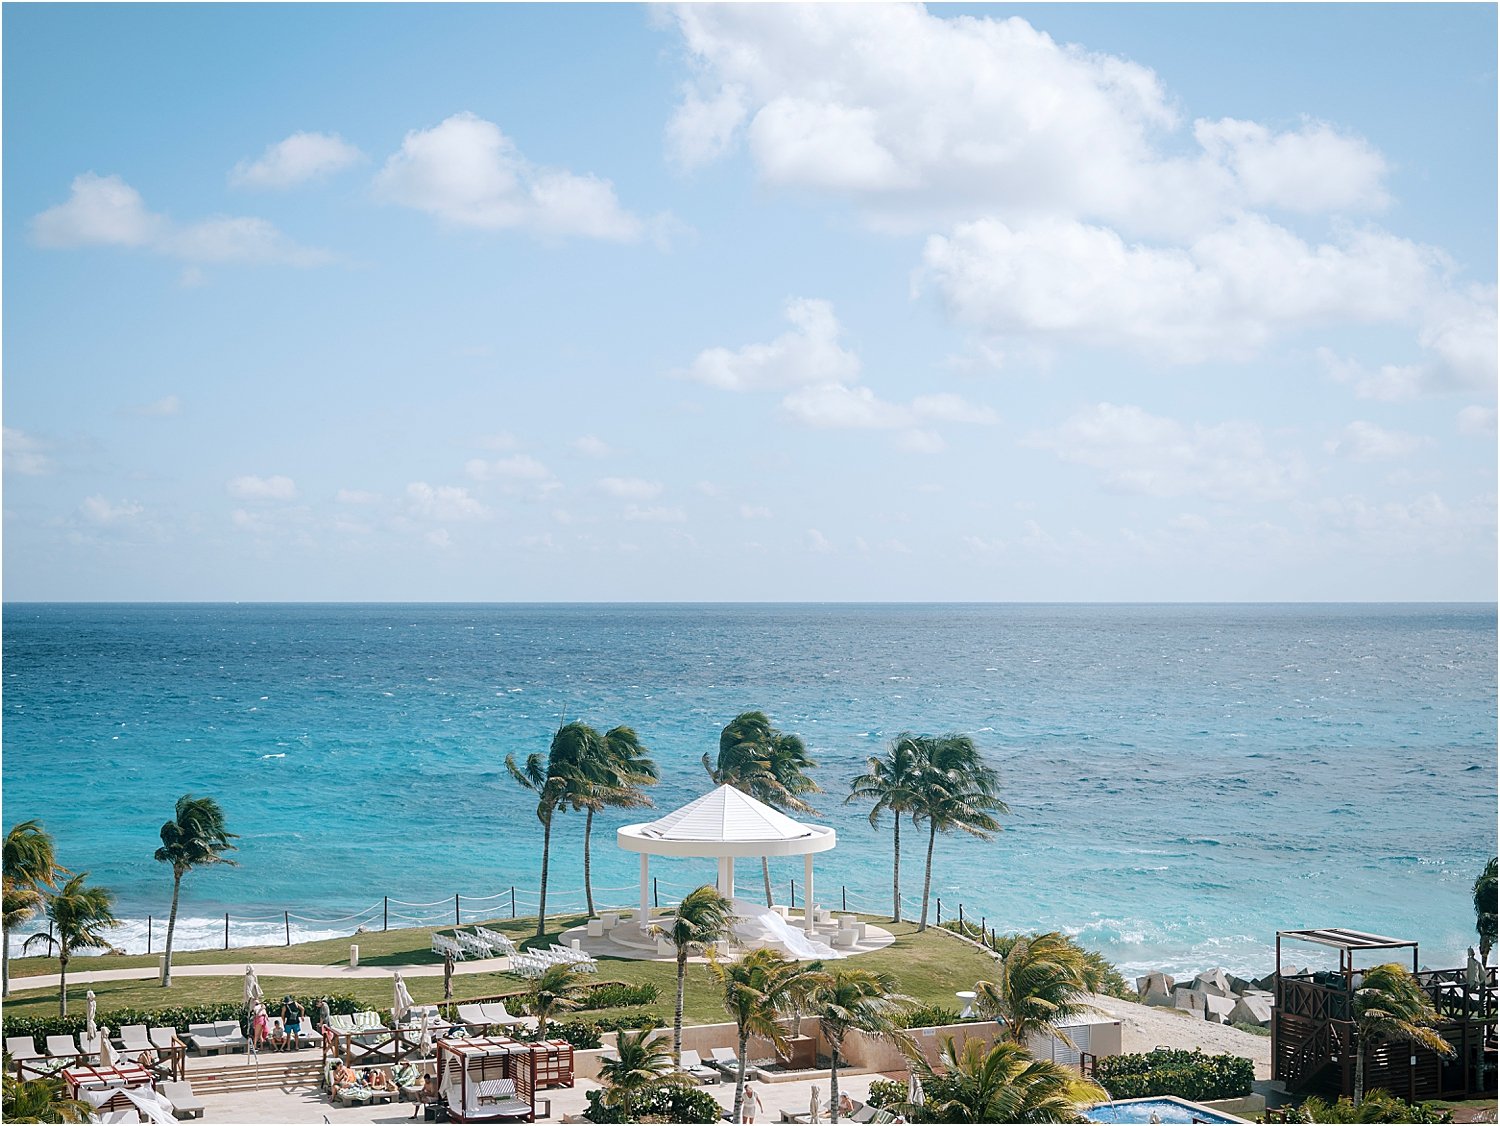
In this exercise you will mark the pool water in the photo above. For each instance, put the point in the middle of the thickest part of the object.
(1166, 1110)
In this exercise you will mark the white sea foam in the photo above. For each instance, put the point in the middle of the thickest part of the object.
(197, 933)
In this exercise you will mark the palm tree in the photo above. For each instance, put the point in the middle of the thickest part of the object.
(30, 868)
(855, 1000)
(1484, 908)
(40, 1100)
(759, 988)
(1391, 1005)
(616, 767)
(194, 838)
(995, 1083)
(892, 781)
(80, 915)
(557, 780)
(766, 764)
(559, 990)
(703, 918)
(1041, 984)
(643, 1060)
(956, 793)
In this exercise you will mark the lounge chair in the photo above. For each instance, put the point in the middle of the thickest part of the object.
(163, 1038)
(341, 1022)
(368, 1020)
(62, 1047)
(693, 1064)
(205, 1038)
(185, 1104)
(863, 1112)
(725, 1060)
(90, 1046)
(474, 1016)
(133, 1039)
(22, 1048)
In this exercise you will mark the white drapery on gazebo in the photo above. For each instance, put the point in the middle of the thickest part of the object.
(726, 823)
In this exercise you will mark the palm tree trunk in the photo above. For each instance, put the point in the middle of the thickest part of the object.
(5, 964)
(588, 887)
(765, 871)
(1359, 1068)
(62, 983)
(896, 879)
(833, 1085)
(927, 879)
(682, 956)
(541, 907)
(166, 979)
(739, 1083)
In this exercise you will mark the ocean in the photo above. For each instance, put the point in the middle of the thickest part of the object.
(1183, 780)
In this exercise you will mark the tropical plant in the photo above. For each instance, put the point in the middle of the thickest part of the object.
(642, 1060)
(892, 782)
(1485, 895)
(670, 1102)
(30, 869)
(994, 1083)
(855, 1000)
(80, 915)
(1041, 983)
(559, 989)
(40, 1100)
(956, 793)
(1391, 1005)
(1377, 1106)
(759, 988)
(555, 779)
(1176, 1071)
(768, 765)
(195, 838)
(615, 767)
(703, 918)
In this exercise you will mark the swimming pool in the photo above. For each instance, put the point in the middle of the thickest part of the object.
(1166, 1108)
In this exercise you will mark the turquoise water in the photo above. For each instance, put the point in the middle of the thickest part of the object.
(1165, 1110)
(1183, 780)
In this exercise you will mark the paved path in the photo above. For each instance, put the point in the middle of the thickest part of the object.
(263, 969)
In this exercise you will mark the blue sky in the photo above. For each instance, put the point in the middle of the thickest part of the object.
(1061, 302)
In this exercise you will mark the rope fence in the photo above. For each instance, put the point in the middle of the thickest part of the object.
(517, 902)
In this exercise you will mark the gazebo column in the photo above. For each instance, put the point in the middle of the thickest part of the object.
(645, 890)
(726, 877)
(807, 893)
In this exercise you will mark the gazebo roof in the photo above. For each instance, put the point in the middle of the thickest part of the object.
(725, 822)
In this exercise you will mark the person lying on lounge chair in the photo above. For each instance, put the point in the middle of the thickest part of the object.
(429, 1094)
(379, 1082)
(344, 1076)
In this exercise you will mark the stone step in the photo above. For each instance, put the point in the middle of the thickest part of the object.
(209, 1079)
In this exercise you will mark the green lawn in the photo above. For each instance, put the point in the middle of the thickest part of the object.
(929, 966)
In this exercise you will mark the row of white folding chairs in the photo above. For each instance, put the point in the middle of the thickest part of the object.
(534, 963)
(497, 942)
(583, 961)
(442, 944)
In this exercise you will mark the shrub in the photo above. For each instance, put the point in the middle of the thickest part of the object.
(927, 1016)
(669, 1102)
(579, 1033)
(1377, 1106)
(620, 994)
(1169, 1071)
(886, 1092)
(175, 1016)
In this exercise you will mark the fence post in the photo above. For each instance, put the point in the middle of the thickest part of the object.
(655, 892)
(226, 930)
(512, 901)
(148, 934)
(385, 922)
(960, 918)
(287, 918)
(940, 910)
(981, 931)
(455, 909)
(844, 896)
(791, 893)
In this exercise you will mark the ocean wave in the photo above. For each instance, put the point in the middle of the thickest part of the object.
(197, 933)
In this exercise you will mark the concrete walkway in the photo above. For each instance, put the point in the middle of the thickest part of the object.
(263, 969)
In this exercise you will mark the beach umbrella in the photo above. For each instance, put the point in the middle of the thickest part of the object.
(106, 1052)
(814, 1104)
(914, 1093)
(88, 1015)
(403, 1002)
(252, 987)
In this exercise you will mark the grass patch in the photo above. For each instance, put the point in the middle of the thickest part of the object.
(930, 967)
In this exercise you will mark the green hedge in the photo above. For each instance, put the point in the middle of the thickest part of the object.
(176, 1016)
(1169, 1071)
(620, 994)
(886, 1092)
(927, 1016)
(670, 1102)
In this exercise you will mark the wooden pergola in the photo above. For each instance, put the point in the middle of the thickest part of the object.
(1313, 1031)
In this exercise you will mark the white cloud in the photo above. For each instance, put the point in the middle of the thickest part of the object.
(817, 542)
(656, 514)
(754, 512)
(590, 446)
(518, 467)
(98, 510)
(630, 488)
(300, 158)
(1365, 441)
(1137, 452)
(809, 353)
(439, 538)
(1225, 296)
(249, 487)
(921, 442)
(467, 172)
(356, 496)
(25, 454)
(443, 502)
(1477, 421)
(836, 406)
(165, 407)
(106, 211)
(906, 110)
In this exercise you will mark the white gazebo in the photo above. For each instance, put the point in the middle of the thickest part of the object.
(724, 824)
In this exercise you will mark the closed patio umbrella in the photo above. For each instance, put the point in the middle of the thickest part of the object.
(914, 1093)
(252, 987)
(424, 1041)
(89, 1027)
(403, 1002)
(814, 1104)
(106, 1052)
